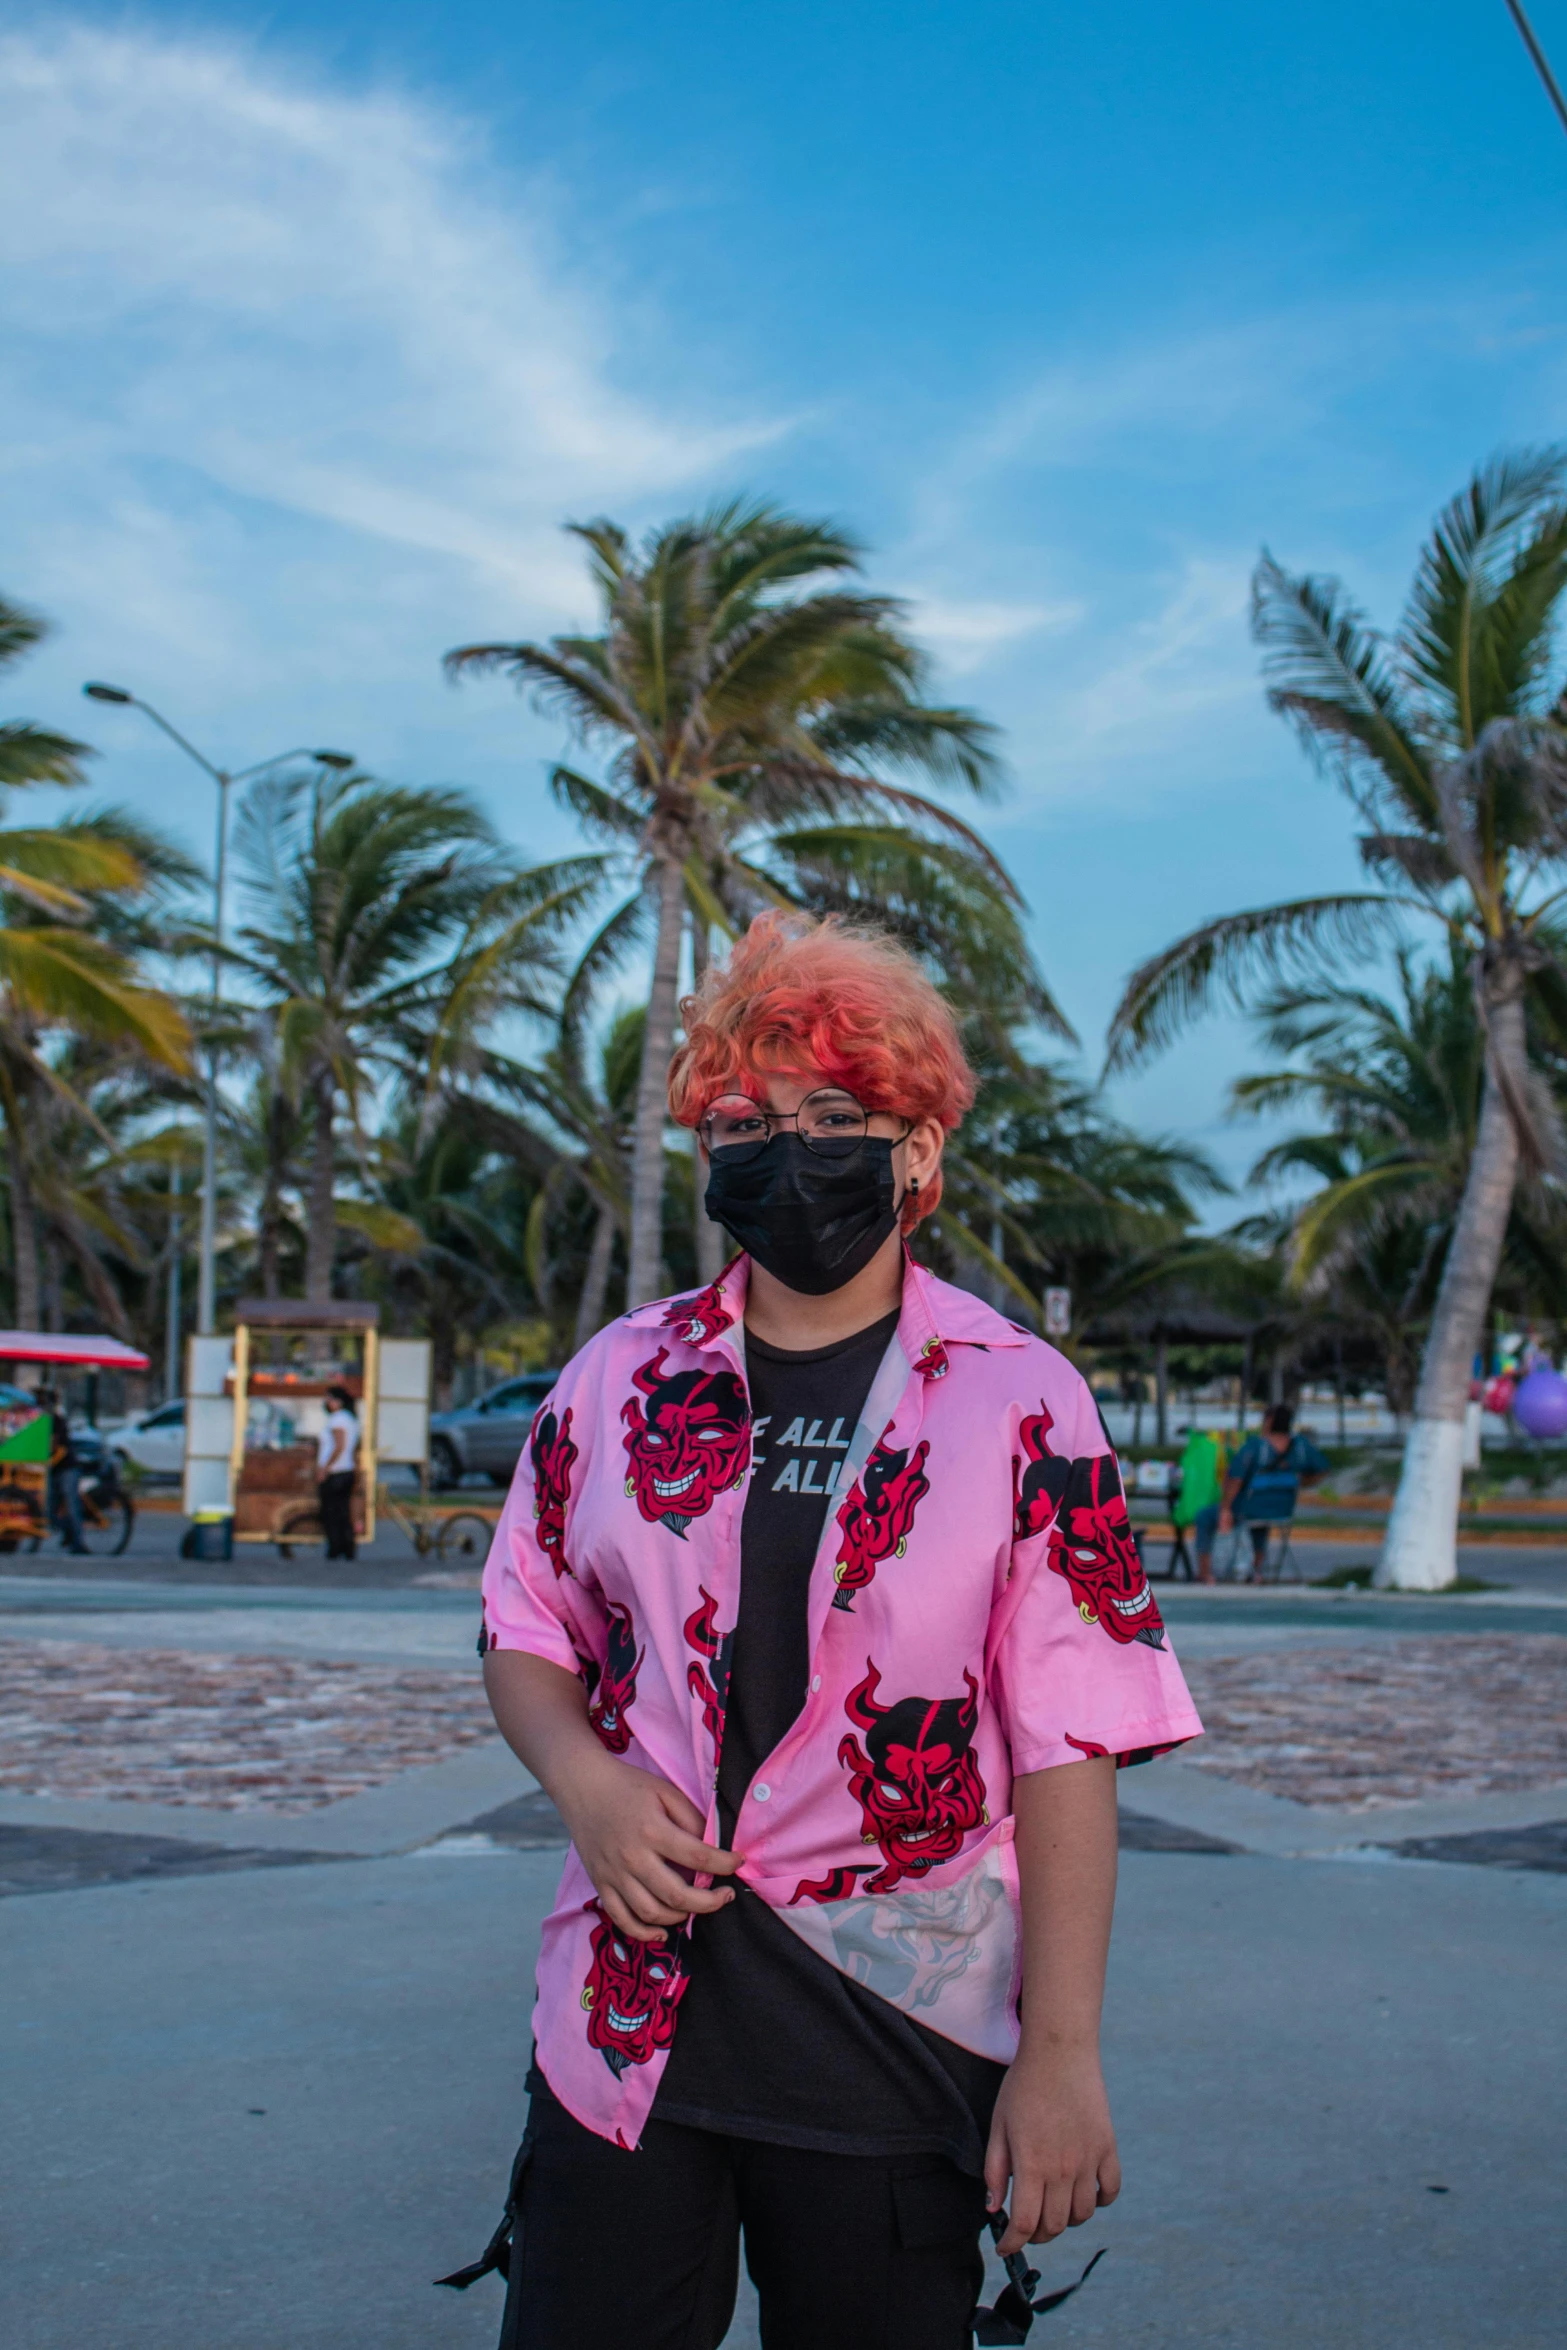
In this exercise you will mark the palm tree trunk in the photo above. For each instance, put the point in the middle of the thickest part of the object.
(321, 1237)
(1421, 1550)
(270, 1220)
(24, 1238)
(595, 1281)
(54, 1281)
(98, 1283)
(645, 1276)
(712, 1241)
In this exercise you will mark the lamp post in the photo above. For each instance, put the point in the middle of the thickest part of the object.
(223, 777)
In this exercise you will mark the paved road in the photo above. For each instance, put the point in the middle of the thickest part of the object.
(263, 2110)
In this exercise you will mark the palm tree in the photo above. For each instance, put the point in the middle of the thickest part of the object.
(1042, 1186)
(388, 924)
(754, 720)
(1451, 743)
(73, 898)
(1397, 1082)
(447, 1227)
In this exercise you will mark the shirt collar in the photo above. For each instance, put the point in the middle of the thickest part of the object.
(935, 1316)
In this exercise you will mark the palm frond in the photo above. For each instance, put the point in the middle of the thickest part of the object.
(1412, 855)
(1224, 958)
(1448, 643)
(599, 810)
(65, 975)
(33, 754)
(1328, 672)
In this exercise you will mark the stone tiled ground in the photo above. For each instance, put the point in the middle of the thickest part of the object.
(1391, 1721)
(273, 1734)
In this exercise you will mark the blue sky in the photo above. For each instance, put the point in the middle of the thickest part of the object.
(322, 320)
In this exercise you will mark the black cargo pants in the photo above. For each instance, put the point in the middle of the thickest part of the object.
(847, 2252)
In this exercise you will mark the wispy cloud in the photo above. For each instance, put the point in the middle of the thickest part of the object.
(966, 634)
(276, 345)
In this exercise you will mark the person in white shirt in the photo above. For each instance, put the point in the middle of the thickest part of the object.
(337, 1454)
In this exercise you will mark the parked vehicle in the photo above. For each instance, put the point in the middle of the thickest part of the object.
(487, 1436)
(154, 1442)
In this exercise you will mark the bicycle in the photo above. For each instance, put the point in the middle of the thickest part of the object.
(453, 1536)
(106, 1510)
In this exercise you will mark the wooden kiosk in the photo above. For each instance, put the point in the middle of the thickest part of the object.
(255, 1405)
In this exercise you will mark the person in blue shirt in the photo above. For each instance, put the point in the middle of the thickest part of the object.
(1264, 1481)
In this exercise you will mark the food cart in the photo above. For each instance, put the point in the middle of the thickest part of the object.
(255, 1404)
(25, 1431)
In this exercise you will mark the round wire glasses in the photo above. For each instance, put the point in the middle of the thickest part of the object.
(829, 1122)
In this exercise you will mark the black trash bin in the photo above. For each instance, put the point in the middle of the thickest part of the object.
(210, 1535)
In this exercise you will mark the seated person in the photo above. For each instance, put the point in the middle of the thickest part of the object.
(1265, 1479)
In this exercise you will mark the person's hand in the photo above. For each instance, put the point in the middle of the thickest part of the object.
(1052, 2137)
(640, 1841)
(1226, 1521)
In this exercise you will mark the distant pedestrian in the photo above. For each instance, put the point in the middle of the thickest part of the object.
(337, 1456)
(63, 1500)
(1200, 1495)
(1265, 1479)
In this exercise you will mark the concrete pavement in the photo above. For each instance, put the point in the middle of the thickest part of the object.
(264, 2110)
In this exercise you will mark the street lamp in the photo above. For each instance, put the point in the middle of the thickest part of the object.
(223, 777)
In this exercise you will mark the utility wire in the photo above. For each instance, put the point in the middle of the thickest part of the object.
(1542, 66)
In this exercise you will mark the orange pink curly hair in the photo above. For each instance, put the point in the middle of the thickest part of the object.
(798, 993)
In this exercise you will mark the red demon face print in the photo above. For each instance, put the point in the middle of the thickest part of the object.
(710, 1684)
(918, 1785)
(617, 1687)
(933, 1361)
(697, 1319)
(1091, 1545)
(835, 1886)
(1039, 1478)
(631, 1994)
(693, 1444)
(1093, 1751)
(553, 1452)
(875, 1521)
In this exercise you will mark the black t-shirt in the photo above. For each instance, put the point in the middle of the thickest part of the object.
(773, 2042)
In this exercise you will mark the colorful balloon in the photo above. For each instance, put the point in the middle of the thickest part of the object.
(1540, 1404)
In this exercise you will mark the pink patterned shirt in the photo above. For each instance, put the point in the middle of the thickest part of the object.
(977, 1609)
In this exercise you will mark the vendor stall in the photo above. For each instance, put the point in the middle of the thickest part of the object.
(26, 1433)
(255, 1406)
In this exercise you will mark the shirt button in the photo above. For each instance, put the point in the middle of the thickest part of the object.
(816, 1684)
(761, 1791)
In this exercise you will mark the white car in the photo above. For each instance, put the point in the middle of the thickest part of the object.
(155, 1442)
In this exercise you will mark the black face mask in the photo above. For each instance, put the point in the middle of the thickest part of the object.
(814, 1221)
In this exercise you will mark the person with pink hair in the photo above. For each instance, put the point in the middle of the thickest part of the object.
(816, 1610)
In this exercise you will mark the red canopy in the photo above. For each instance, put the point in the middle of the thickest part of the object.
(87, 1353)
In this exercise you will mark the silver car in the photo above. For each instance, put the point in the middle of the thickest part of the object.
(487, 1436)
(154, 1441)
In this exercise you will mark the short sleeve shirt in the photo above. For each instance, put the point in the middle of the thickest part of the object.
(1270, 1480)
(347, 1425)
(977, 1608)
